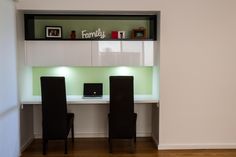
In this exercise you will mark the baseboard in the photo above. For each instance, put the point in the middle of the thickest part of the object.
(197, 146)
(79, 135)
(96, 134)
(26, 144)
(156, 141)
(92, 134)
(144, 134)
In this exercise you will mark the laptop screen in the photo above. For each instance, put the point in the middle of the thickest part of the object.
(92, 90)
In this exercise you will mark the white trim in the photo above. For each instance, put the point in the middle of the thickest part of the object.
(26, 144)
(197, 146)
(144, 134)
(96, 134)
(37, 136)
(9, 110)
(155, 140)
(92, 134)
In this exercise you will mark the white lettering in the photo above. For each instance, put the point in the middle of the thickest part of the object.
(90, 35)
(83, 34)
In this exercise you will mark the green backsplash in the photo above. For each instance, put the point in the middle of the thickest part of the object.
(76, 76)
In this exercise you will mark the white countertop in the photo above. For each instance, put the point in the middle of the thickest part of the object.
(79, 100)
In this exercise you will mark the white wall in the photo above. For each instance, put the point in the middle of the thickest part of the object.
(25, 86)
(80, 5)
(197, 66)
(9, 110)
(198, 76)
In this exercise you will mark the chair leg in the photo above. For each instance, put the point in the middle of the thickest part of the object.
(135, 132)
(45, 143)
(72, 132)
(132, 145)
(65, 146)
(110, 145)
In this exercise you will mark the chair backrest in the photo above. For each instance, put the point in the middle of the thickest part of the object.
(122, 105)
(121, 94)
(54, 107)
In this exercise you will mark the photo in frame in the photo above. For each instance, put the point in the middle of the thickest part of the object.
(138, 33)
(53, 32)
(121, 35)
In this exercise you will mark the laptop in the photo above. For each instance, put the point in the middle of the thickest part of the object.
(93, 90)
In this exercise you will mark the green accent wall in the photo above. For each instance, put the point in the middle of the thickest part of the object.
(76, 76)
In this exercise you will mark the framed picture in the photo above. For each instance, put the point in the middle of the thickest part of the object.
(138, 33)
(121, 34)
(53, 32)
(114, 34)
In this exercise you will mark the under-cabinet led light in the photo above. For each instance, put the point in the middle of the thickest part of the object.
(62, 71)
(123, 70)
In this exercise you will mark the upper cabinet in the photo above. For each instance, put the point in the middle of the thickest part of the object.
(58, 53)
(90, 26)
(126, 53)
(118, 39)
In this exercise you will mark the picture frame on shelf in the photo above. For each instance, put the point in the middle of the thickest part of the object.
(138, 33)
(53, 32)
(121, 35)
(114, 35)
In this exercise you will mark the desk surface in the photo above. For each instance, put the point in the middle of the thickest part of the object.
(72, 99)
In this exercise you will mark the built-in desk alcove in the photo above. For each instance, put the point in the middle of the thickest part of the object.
(90, 115)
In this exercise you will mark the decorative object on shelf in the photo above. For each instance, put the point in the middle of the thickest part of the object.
(53, 32)
(139, 33)
(121, 34)
(114, 34)
(98, 34)
(73, 34)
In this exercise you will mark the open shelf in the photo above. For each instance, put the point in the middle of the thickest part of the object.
(91, 26)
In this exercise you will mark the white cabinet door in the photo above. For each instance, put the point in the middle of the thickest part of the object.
(77, 53)
(122, 53)
(58, 53)
(111, 53)
(148, 53)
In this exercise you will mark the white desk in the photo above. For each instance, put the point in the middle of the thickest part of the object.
(77, 99)
(90, 116)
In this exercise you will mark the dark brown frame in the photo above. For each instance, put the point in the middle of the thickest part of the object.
(139, 34)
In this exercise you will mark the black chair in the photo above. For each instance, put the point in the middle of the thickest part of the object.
(122, 119)
(56, 121)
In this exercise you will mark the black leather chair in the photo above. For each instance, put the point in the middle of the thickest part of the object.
(122, 119)
(56, 121)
